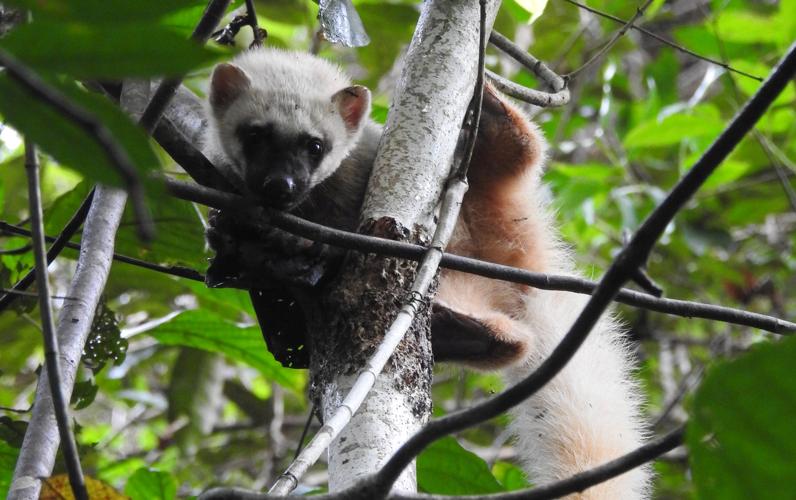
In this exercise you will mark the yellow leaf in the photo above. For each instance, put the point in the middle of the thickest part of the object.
(58, 488)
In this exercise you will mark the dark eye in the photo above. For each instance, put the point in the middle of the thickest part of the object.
(315, 148)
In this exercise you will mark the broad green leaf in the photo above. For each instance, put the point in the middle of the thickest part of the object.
(102, 11)
(746, 27)
(729, 171)
(70, 145)
(740, 436)
(179, 237)
(673, 129)
(63, 208)
(510, 476)
(749, 86)
(148, 484)
(8, 458)
(204, 330)
(106, 51)
(448, 469)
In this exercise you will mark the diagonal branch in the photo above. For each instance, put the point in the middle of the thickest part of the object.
(88, 122)
(165, 91)
(60, 405)
(381, 246)
(625, 264)
(58, 245)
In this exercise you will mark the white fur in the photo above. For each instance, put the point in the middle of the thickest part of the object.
(585, 416)
(292, 89)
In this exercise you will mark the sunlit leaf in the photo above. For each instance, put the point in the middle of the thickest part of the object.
(148, 484)
(58, 488)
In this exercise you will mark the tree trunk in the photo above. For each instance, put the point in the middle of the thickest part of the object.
(413, 161)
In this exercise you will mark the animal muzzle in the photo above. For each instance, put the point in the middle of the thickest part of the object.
(281, 191)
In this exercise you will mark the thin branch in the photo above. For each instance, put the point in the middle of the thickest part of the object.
(629, 259)
(362, 243)
(118, 157)
(559, 97)
(664, 41)
(426, 272)
(51, 349)
(58, 245)
(210, 18)
(257, 33)
(178, 271)
(619, 34)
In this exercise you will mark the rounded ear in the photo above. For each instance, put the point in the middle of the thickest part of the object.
(227, 84)
(353, 103)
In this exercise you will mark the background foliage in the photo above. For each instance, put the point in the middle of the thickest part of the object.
(197, 400)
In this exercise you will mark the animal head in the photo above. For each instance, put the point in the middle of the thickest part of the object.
(285, 121)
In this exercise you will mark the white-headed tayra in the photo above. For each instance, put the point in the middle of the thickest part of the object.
(296, 133)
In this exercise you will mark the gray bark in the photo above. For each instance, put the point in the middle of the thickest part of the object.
(413, 161)
(41, 441)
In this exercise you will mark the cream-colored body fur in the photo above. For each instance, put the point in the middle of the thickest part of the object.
(589, 413)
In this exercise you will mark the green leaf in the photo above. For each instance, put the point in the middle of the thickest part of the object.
(148, 484)
(740, 436)
(70, 145)
(179, 238)
(510, 476)
(106, 51)
(533, 7)
(746, 27)
(102, 11)
(674, 128)
(204, 330)
(446, 468)
(84, 394)
(8, 459)
(395, 24)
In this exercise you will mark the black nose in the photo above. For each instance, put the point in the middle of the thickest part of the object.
(280, 190)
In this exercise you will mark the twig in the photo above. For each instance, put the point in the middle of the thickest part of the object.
(304, 432)
(665, 41)
(51, 349)
(178, 271)
(58, 245)
(426, 272)
(629, 259)
(362, 243)
(91, 125)
(165, 91)
(257, 32)
(619, 34)
(559, 97)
